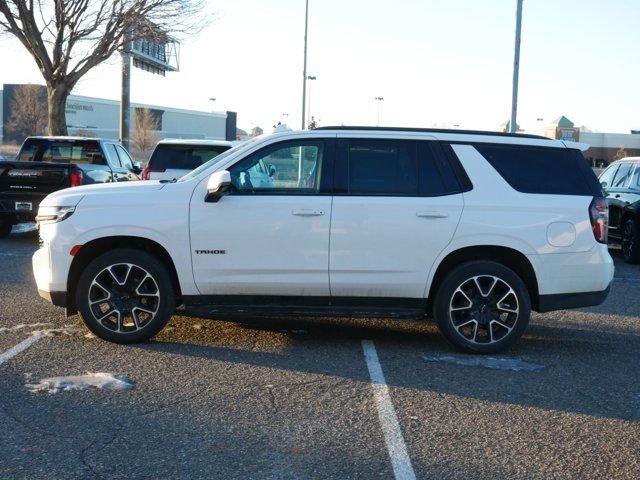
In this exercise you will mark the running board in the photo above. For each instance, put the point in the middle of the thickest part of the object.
(217, 306)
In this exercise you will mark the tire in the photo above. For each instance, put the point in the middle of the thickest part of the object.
(131, 282)
(5, 228)
(631, 241)
(482, 307)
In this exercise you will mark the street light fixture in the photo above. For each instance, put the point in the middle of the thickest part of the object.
(212, 100)
(378, 100)
(309, 77)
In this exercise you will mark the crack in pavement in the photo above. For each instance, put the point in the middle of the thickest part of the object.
(83, 452)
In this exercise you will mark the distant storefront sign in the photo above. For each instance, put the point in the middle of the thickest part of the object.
(568, 134)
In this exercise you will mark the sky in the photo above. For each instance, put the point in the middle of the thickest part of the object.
(442, 63)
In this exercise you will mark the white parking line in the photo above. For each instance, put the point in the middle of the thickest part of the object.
(400, 461)
(21, 347)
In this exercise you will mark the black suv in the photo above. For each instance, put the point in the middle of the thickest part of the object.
(621, 183)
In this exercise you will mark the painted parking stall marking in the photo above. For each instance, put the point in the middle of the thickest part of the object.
(400, 461)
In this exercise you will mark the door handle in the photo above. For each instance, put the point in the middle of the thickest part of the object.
(307, 213)
(432, 214)
(618, 195)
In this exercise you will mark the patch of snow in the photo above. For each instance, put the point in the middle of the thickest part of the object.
(99, 381)
(513, 364)
(52, 332)
(24, 227)
(90, 335)
(23, 325)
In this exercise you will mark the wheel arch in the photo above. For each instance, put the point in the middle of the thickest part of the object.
(91, 250)
(513, 259)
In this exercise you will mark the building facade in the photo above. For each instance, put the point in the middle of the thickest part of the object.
(98, 117)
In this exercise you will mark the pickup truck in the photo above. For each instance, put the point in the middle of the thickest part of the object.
(46, 164)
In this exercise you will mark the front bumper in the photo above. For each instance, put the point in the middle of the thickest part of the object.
(59, 299)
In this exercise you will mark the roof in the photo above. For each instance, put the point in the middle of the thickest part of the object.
(69, 137)
(436, 130)
(196, 141)
(562, 121)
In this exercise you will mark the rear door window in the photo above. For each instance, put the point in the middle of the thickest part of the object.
(184, 157)
(382, 167)
(542, 170)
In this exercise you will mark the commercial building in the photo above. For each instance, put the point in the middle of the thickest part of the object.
(98, 117)
(603, 147)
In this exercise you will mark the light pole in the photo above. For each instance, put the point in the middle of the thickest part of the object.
(304, 71)
(212, 100)
(309, 77)
(516, 68)
(378, 100)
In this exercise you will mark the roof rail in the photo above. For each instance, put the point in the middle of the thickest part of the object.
(435, 130)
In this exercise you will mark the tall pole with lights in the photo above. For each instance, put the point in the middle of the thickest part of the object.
(304, 71)
(378, 100)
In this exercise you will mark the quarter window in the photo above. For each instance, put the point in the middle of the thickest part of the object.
(543, 170)
(291, 167)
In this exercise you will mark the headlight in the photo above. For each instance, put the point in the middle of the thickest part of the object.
(53, 214)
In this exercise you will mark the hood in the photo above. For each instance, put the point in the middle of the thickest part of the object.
(70, 197)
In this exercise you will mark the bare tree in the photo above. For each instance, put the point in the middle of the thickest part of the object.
(144, 136)
(67, 38)
(313, 123)
(620, 153)
(28, 112)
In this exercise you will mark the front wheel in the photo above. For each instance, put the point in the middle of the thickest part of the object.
(482, 307)
(631, 241)
(125, 296)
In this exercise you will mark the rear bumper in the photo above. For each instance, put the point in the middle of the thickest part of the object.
(561, 301)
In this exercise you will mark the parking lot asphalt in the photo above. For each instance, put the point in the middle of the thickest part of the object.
(276, 398)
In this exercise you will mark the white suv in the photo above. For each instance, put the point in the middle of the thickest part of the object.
(473, 228)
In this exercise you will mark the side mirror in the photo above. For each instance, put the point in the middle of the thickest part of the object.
(272, 170)
(218, 185)
(137, 167)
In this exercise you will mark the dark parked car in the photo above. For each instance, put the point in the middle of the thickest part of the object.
(621, 183)
(46, 164)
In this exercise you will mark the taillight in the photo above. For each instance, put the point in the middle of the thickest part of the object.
(599, 215)
(76, 177)
(147, 171)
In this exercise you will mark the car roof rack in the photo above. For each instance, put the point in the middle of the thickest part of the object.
(435, 130)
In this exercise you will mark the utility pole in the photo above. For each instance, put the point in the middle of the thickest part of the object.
(516, 69)
(125, 95)
(125, 99)
(304, 72)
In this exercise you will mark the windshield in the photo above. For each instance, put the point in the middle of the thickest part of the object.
(218, 159)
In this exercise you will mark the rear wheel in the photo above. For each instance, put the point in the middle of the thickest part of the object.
(125, 296)
(482, 307)
(5, 228)
(631, 241)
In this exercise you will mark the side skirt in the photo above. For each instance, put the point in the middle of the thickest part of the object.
(269, 306)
